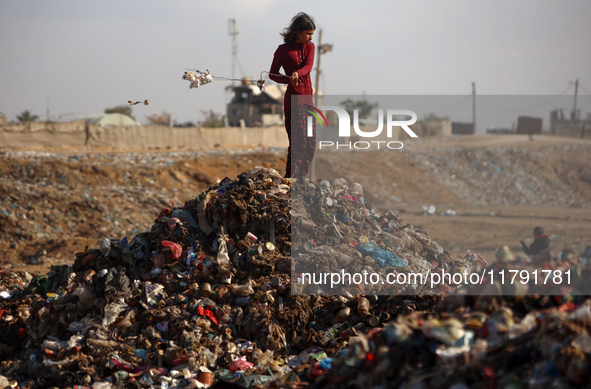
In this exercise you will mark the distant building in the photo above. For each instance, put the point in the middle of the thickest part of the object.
(251, 107)
(424, 128)
(111, 119)
(499, 131)
(573, 126)
(458, 128)
(2, 119)
(529, 125)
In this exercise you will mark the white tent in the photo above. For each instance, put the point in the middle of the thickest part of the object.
(111, 119)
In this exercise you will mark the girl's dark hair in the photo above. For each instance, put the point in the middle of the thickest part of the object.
(300, 22)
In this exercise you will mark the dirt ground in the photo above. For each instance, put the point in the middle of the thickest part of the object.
(485, 191)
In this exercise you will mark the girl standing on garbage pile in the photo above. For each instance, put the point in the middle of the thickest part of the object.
(296, 56)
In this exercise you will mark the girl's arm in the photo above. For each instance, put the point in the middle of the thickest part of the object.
(308, 62)
(276, 66)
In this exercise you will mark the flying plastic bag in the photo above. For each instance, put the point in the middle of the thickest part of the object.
(197, 78)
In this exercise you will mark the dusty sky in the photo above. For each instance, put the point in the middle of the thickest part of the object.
(78, 58)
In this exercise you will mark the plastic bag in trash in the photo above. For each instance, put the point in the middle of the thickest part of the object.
(381, 256)
(223, 258)
(240, 364)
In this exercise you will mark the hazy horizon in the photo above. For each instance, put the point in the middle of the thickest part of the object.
(77, 58)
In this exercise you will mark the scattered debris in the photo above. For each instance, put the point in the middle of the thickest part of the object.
(206, 295)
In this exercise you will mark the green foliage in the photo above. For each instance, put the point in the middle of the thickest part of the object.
(186, 124)
(162, 119)
(27, 116)
(433, 117)
(124, 109)
(212, 119)
(363, 106)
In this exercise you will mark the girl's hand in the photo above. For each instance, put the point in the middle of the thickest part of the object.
(295, 79)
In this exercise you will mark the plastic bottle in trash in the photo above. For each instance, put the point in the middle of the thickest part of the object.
(256, 355)
(112, 311)
(351, 331)
(102, 385)
(106, 247)
(330, 333)
(363, 306)
(204, 324)
(206, 290)
(121, 375)
(372, 321)
(242, 290)
(356, 190)
(342, 315)
(307, 225)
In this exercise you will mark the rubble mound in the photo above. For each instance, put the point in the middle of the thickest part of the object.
(550, 174)
(56, 202)
(207, 295)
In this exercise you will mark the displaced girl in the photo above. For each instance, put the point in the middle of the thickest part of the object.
(296, 57)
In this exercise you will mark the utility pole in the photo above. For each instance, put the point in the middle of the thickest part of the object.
(474, 108)
(232, 32)
(318, 68)
(574, 114)
(322, 48)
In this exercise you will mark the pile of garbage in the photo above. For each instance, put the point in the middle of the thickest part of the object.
(512, 175)
(38, 193)
(463, 348)
(214, 293)
(335, 231)
(53, 203)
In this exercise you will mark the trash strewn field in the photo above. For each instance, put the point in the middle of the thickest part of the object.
(165, 274)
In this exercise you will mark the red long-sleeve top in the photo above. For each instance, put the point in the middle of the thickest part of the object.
(292, 58)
